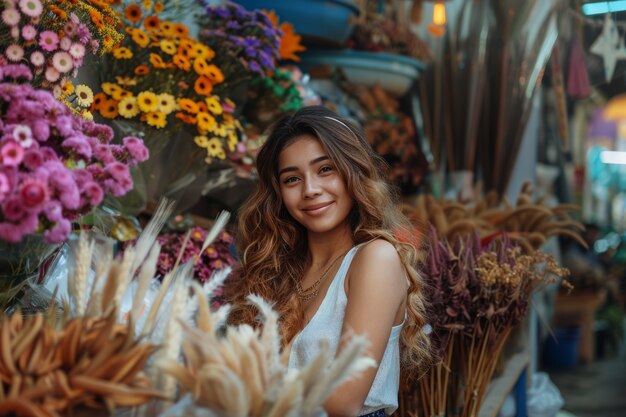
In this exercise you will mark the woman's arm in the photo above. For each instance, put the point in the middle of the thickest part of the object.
(376, 288)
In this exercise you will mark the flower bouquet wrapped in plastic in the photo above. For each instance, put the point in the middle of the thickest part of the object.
(159, 84)
(55, 167)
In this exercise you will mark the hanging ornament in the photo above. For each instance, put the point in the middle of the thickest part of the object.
(608, 47)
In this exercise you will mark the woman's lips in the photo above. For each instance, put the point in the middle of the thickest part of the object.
(316, 209)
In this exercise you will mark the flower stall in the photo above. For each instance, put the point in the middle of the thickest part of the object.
(128, 126)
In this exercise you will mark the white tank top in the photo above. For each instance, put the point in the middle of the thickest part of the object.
(327, 323)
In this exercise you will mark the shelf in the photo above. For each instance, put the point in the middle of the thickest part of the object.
(501, 386)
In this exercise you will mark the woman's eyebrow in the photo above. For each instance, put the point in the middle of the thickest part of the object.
(313, 162)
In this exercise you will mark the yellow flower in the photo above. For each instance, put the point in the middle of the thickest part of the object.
(128, 107)
(201, 141)
(205, 121)
(87, 115)
(126, 80)
(122, 52)
(166, 103)
(67, 89)
(84, 95)
(147, 4)
(140, 37)
(232, 140)
(202, 51)
(214, 106)
(157, 61)
(168, 47)
(110, 88)
(214, 148)
(158, 7)
(156, 119)
(147, 101)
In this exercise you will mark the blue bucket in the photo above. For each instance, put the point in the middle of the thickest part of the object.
(561, 349)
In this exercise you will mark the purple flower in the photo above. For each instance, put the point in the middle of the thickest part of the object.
(104, 133)
(136, 148)
(33, 194)
(16, 72)
(82, 177)
(117, 171)
(78, 145)
(49, 154)
(104, 154)
(10, 232)
(33, 159)
(64, 125)
(253, 66)
(59, 232)
(53, 211)
(70, 197)
(48, 40)
(41, 130)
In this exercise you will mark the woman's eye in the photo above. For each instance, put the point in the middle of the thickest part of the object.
(325, 169)
(289, 180)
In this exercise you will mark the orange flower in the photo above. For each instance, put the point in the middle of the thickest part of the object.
(202, 107)
(290, 43)
(157, 61)
(140, 37)
(200, 66)
(181, 30)
(98, 99)
(59, 12)
(181, 62)
(156, 119)
(96, 18)
(151, 23)
(109, 109)
(214, 74)
(203, 86)
(167, 28)
(142, 70)
(188, 105)
(186, 118)
(158, 7)
(133, 13)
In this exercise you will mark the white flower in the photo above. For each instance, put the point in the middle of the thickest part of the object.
(23, 135)
(62, 61)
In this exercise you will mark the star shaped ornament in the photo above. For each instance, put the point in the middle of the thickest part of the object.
(609, 47)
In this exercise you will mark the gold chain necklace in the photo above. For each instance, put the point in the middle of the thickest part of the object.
(310, 293)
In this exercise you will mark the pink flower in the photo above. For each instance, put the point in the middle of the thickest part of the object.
(12, 154)
(33, 159)
(11, 17)
(103, 153)
(93, 193)
(5, 187)
(52, 74)
(49, 154)
(77, 50)
(82, 177)
(70, 28)
(37, 59)
(29, 32)
(15, 32)
(64, 125)
(12, 209)
(117, 171)
(136, 148)
(48, 40)
(62, 61)
(70, 197)
(32, 8)
(14, 53)
(65, 43)
(23, 135)
(33, 194)
(59, 232)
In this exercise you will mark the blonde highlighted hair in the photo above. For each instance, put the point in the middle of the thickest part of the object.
(273, 246)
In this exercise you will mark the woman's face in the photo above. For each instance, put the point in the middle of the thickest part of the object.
(311, 188)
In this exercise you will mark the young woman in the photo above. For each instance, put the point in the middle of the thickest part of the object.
(319, 237)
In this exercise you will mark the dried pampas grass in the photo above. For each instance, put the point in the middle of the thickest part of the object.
(241, 371)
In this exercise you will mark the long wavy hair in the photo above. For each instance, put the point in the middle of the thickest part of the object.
(273, 247)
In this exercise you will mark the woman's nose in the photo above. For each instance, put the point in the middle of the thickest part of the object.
(311, 188)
